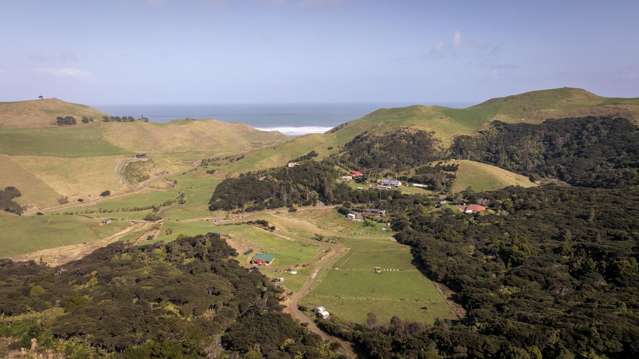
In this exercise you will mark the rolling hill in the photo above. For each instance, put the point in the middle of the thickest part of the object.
(447, 123)
(41, 113)
(48, 162)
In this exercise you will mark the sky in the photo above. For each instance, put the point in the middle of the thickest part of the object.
(299, 51)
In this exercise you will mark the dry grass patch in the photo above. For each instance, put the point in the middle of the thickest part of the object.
(34, 190)
(483, 177)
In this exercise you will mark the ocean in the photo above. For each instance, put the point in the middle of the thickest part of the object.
(290, 119)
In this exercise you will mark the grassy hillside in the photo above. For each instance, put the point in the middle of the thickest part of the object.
(34, 190)
(46, 161)
(211, 136)
(446, 123)
(483, 177)
(60, 142)
(41, 113)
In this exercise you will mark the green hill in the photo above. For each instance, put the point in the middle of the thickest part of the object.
(47, 162)
(447, 123)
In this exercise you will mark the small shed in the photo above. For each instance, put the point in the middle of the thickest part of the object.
(391, 182)
(354, 216)
(355, 173)
(322, 312)
(261, 259)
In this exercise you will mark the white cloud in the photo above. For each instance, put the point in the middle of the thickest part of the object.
(457, 39)
(65, 72)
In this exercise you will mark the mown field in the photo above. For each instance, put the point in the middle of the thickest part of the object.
(22, 235)
(351, 288)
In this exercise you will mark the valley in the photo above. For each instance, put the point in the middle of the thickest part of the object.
(298, 200)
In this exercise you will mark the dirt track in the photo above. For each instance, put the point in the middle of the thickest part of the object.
(61, 255)
(292, 302)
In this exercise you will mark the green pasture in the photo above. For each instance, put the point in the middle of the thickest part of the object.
(59, 142)
(22, 235)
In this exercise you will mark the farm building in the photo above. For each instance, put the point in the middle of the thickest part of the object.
(374, 212)
(391, 182)
(418, 185)
(472, 208)
(292, 164)
(355, 174)
(354, 216)
(262, 259)
(322, 312)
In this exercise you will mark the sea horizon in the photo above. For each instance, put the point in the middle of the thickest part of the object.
(292, 119)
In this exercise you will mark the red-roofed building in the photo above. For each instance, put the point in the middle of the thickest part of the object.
(472, 208)
(356, 174)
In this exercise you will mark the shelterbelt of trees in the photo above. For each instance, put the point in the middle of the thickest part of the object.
(588, 151)
(184, 299)
(553, 273)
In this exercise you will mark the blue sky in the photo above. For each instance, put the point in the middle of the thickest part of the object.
(261, 51)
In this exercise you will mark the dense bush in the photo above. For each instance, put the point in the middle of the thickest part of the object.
(7, 203)
(552, 271)
(65, 121)
(305, 184)
(590, 151)
(395, 151)
(170, 299)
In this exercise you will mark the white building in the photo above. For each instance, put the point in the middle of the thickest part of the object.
(391, 182)
(322, 312)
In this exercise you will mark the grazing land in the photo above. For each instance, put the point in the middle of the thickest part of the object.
(22, 235)
(58, 142)
(42, 113)
(483, 177)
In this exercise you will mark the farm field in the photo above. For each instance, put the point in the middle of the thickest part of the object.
(24, 234)
(60, 142)
(37, 193)
(351, 288)
(483, 177)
